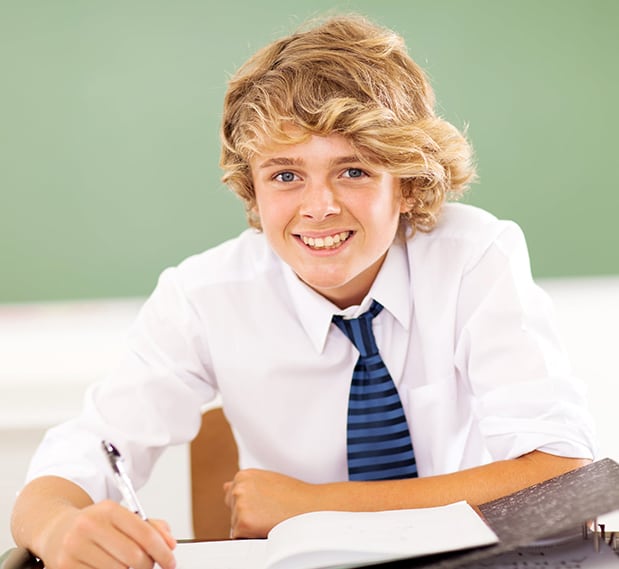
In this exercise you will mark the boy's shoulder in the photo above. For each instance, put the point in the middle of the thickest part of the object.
(463, 219)
(465, 232)
(466, 223)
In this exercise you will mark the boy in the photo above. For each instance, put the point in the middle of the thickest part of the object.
(357, 283)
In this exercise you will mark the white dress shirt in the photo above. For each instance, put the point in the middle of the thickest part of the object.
(466, 335)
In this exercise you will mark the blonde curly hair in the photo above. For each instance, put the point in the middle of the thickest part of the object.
(346, 76)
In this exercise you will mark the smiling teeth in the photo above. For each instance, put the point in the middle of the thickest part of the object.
(328, 242)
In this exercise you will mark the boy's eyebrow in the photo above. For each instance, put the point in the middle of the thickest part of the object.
(345, 160)
(280, 161)
(284, 161)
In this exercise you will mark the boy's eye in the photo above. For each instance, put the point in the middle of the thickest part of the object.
(354, 173)
(285, 177)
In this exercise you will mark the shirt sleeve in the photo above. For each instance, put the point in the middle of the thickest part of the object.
(509, 352)
(152, 400)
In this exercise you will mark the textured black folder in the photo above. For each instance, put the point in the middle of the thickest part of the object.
(556, 506)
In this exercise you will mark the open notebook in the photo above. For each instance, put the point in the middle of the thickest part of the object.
(328, 539)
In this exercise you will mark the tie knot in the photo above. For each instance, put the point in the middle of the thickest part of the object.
(359, 330)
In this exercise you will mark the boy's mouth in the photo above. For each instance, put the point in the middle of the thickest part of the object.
(328, 242)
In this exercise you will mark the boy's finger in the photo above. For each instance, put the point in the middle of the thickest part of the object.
(164, 529)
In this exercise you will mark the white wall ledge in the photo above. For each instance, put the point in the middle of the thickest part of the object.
(50, 352)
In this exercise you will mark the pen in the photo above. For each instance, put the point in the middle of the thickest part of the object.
(122, 480)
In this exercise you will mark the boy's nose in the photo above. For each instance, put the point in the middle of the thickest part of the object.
(319, 202)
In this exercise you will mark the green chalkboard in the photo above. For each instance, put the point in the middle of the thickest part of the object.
(109, 114)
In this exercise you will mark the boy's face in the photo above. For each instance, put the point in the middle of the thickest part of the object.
(326, 215)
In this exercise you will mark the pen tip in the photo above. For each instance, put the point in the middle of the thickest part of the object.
(109, 448)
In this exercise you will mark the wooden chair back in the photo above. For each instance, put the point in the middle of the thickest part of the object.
(214, 460)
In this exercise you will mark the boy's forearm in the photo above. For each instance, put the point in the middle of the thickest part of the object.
(38, 504)
(260, 499)
(475, 485)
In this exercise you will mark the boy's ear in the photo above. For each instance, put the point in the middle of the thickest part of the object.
(254, 214)
(406, 204)
(406, 201)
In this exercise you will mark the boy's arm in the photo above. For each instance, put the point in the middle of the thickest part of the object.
(58, 522)
(260, 499)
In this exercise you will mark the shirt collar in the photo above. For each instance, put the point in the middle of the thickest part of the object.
(391, 288)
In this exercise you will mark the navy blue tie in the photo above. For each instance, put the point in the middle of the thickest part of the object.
(378, 439)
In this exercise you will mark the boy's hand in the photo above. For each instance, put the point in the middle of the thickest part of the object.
(106, 535)
(260, 499)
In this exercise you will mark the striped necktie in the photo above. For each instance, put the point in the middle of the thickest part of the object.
(378, 439)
